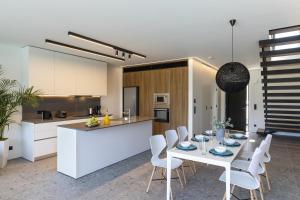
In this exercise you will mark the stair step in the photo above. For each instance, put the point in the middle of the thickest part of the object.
(281, 121)
(279, 63)
(282, 52)
(281, 101)
(284, 87)
(280, 80)
(284, 129)
(282, 94)
(281, 71)
(279, 41)
(282, 106)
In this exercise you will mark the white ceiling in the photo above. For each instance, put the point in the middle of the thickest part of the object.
(162, 30)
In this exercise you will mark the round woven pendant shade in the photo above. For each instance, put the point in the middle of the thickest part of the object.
(232, 77)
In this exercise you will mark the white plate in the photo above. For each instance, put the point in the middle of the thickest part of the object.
(185, 144)
(229, 141)
(239, 135)
(220, 149)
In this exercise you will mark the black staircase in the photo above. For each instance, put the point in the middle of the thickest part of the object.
(281, 80)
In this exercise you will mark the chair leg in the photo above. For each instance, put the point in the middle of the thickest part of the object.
(184, 178)
(171, 194)
(194, 166)
(267, 177)
(179, 178)
(251, 195)
(191, 168)
(153, 171)
(254, 194)
(224, 197)
(262, 184)
(261, 193)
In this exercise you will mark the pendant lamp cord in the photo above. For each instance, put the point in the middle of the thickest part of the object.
(231, 43)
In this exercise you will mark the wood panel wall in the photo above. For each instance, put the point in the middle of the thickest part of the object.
(171, 80)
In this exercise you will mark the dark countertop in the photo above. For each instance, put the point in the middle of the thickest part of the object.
(113, 122)
(55, 119)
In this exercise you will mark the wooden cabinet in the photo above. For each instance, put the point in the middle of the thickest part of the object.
(61, 74)
(170, 80)
(179, 97)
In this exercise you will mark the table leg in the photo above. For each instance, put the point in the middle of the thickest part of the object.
(227, 168)
(169, 159)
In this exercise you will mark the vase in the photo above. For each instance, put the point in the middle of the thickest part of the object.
(220, 134)
(4, 145)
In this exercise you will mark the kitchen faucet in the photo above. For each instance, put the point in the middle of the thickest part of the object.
(127, 113)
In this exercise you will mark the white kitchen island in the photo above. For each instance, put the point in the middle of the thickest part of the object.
(82, 150)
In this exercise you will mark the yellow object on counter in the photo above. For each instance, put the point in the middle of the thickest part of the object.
(106, 120)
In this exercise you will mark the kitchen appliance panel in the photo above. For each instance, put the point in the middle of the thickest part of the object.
(162, 115)
(131, 100)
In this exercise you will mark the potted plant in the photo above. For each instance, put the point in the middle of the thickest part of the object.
(220, 127)
(12, 95)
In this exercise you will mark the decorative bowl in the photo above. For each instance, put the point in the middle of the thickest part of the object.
(185, 144)
(239, 135)
(229, 141)
(220, 149)
(199, 137)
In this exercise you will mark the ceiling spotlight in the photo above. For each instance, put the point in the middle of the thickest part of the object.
(117, 53)
(123, 54)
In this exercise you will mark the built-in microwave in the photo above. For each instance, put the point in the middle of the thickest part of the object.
(161, 100)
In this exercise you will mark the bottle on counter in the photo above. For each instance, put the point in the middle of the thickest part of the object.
(106, 120)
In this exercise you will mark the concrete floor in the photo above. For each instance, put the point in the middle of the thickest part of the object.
(128, 179)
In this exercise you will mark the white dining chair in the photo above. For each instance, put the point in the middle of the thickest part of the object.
(244, 164)
(158, 144)
(248, 180)
(182, 133)
(172, 140)
(183, 136)
(266, 158)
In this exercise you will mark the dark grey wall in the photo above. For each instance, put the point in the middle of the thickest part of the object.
(73, 105)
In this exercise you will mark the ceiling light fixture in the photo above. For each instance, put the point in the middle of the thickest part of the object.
(82, 49)
(85, 38)
(233, 76)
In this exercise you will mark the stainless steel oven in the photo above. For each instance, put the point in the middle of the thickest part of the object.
(162, 115)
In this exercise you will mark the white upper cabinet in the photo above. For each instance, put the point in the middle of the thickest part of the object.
(40, 70)
(92, 78)
(64, 78)
(61, 74)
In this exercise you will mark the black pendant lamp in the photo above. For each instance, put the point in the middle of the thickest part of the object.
(233, 76)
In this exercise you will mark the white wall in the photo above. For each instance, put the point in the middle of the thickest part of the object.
(11, 61)
(256, 117)
(206, 93)
(114, 99)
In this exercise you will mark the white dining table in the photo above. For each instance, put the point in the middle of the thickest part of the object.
(204, 157)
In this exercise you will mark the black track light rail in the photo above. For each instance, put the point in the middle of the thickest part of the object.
(117, 48)
(82, 49)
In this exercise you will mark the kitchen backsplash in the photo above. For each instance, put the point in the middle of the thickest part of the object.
(74, 106)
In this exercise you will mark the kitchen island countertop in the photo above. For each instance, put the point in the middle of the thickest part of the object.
(113, 122)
